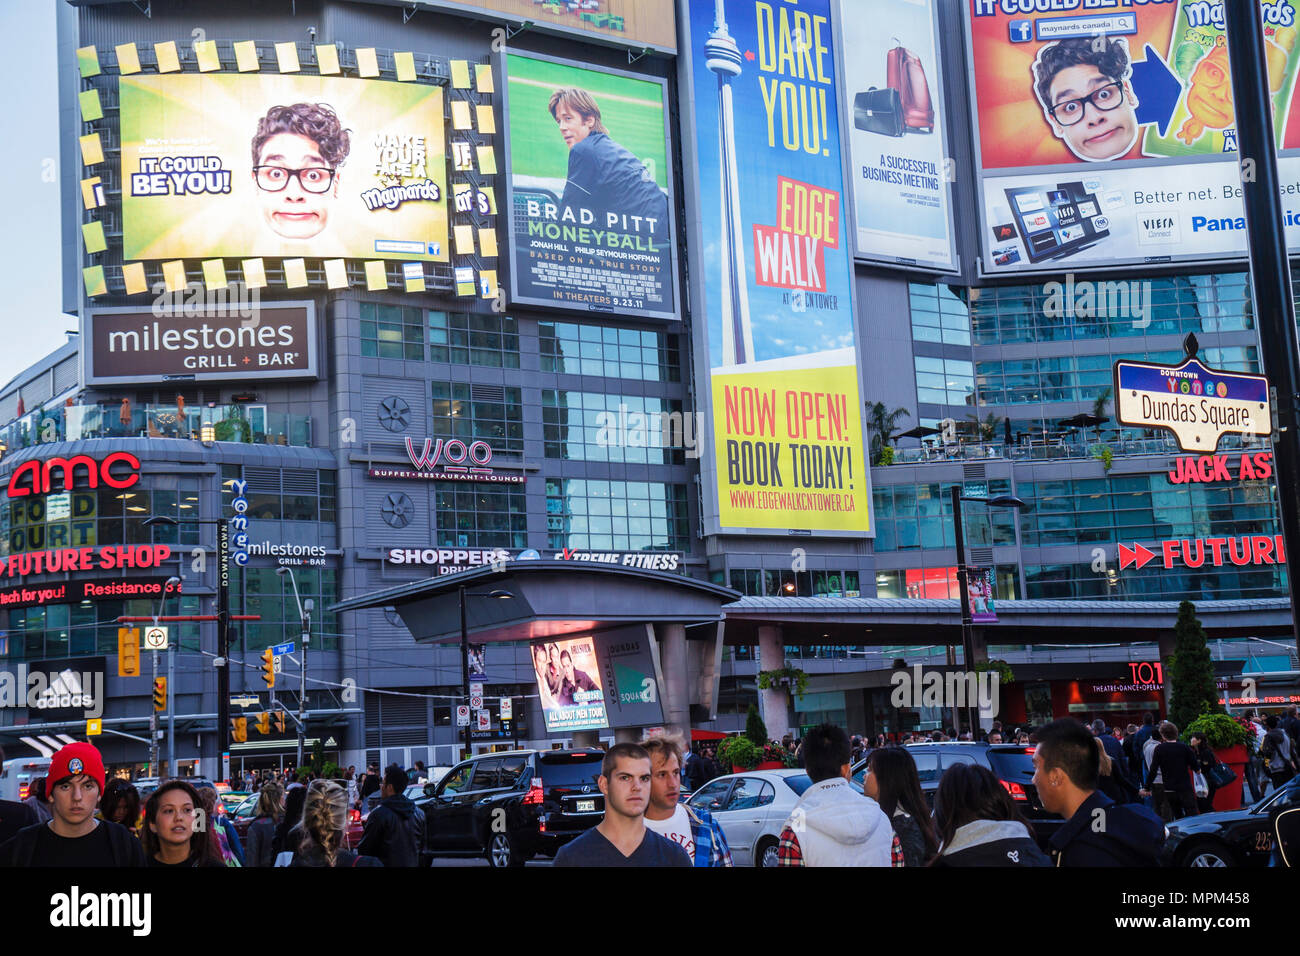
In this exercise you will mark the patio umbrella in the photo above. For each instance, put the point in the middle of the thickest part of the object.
(22, 408)
(180, 405)
(920, 431)
(124, 416)
(1006, 431)
(1082, 420)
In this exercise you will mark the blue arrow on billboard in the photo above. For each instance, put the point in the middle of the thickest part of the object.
(1157, 89)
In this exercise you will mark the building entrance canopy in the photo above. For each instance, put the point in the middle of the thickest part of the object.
(547, 599)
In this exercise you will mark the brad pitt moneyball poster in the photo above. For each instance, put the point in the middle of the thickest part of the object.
(588, 183)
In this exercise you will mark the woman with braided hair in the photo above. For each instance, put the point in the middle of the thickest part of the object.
(320, 833)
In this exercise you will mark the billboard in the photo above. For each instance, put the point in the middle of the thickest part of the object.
(636, 23)
(568, 684)
(132, 345)
(589, 189)
(282, 165)
(900, 186)
(773, 269)
(1107, 138)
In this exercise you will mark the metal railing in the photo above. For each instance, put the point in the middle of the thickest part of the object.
(247, 424)
(1047, 449)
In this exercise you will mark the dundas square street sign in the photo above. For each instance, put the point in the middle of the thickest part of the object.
(1198, 404)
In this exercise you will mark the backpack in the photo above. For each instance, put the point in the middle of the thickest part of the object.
(904, 73)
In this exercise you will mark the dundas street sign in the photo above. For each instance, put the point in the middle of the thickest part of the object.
(1199, 405)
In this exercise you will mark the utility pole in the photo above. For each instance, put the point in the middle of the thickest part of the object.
(1270, 271)
(307, 607)
(223, 649)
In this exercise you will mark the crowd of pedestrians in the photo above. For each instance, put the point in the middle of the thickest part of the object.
(1133, 778)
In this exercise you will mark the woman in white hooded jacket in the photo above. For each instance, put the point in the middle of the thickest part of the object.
(978, 823)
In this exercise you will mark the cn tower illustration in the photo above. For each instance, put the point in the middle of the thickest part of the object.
(722, 56)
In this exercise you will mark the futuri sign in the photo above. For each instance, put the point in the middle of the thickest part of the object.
(36, 477)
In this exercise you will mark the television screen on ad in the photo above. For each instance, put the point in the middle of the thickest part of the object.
(568, 684)
(1122, 120)
(282, 165)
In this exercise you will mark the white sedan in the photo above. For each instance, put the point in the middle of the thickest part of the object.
(751, 808)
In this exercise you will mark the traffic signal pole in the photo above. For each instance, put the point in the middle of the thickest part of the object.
(1270, 272)
(153, 722)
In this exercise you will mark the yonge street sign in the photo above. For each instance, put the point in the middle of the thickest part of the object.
(1199, 405)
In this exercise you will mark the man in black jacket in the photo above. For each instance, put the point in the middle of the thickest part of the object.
(73, 837)
(13, 816)
(1097, 831)
(1175, 762)
(395, 828)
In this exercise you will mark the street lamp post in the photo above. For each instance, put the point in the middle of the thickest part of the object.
(967, 622)
(464, 654)
(304, 616)
(222, 662)
(153, 714)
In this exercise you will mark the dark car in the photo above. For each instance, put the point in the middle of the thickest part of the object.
(512, 806)
(1242, 837)
(1012, 764)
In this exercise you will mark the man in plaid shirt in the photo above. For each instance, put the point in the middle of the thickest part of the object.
(833, 824)
(695, 830)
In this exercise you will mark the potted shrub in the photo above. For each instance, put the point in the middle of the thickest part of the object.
(1232, 743)
(739, 753)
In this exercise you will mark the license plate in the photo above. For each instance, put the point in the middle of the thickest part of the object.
(586, 806)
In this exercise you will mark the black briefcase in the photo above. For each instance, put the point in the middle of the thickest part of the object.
(879, 111)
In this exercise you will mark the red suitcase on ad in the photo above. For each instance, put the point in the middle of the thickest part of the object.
(903, 72)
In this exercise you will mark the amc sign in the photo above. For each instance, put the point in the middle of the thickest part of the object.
(37, 477)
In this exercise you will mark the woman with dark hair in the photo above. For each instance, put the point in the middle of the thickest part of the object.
(170, 834)
(892, 781)
(285, 834)
(121, 804)
(261, 833)
(978, 824)
(1205, 762)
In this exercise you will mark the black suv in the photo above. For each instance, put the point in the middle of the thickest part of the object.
(512, 806)
(1012, 764)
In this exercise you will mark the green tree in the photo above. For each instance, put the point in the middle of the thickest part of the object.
(1101, 403)
(881, 423)
(755, 729)
(1191, 671)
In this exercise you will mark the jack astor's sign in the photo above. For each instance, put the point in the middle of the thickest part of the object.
(448, 460)
(1208, 468)
(130, 345)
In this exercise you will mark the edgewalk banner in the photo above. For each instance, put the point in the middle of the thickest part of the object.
(1108, 136)
(282, 166)
(589, 186)
(773, 268)
(898, 170)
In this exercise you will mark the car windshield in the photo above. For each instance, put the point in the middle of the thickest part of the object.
(798, 782)
(1016, 766)
(570, 771)
(1287, 796)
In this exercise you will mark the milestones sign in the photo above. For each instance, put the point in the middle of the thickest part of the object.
(1198, 404)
